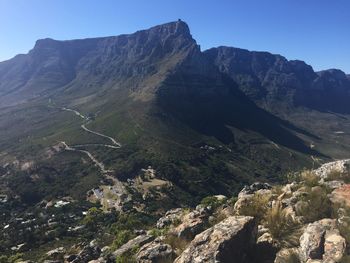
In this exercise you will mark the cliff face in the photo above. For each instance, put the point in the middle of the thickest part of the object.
(125, 60)
(271, 80)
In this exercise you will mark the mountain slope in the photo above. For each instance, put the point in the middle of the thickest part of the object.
(170, 105)
(273, 81)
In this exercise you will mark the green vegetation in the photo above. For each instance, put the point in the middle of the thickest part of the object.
(11, 259)
(212, 201)
(128, 257)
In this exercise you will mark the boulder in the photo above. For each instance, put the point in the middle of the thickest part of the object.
(311, 242)
(287, 255)
(170, 217)
(56, 253)
(99, 260)
(321, 240)
(192, 224)
(334, 247)
(231, 240)
(155, 252)
(136, 242)
(340, 166)
(266, 247)
(87, 254)
(251, 189)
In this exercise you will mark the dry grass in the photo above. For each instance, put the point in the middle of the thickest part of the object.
(336, 175)
(317, 204)
(309, 178)
(256, 206)
(178, 244)
(292, 258)
(282, 226)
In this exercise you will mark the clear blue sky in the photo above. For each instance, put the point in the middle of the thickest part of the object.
(317, 31)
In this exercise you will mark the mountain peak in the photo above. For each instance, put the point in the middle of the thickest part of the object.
(175, 28)
(46, 42)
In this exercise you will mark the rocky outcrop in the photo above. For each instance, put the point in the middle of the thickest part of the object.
(311, 242)
(155, 252)
(321, 241)
(229, 241)
(88, 253)
(326, 169)
(192, 223)
(131, 244)
(253, 188)
(170, 217)
(272, 81)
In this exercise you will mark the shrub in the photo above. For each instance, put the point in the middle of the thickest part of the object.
(282, 226)
(177, 243)
(336, 174)
(212, 201)
(255, 206)
(11, 259)
(158, 232)
(93, 217)
(317, 204)
(309, 178)
(122, 237)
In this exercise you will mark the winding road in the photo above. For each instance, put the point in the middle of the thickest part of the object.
(118, 186)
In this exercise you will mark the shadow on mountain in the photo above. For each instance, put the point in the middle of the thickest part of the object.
(211, 106)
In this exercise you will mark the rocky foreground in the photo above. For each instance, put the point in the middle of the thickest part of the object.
(306, 220)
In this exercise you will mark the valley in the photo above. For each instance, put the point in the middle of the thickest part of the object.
(100, 138)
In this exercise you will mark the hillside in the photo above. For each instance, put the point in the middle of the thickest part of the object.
(145, 122)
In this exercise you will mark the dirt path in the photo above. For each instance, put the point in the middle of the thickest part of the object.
(93, 159)
(118, 187)
(100, 134)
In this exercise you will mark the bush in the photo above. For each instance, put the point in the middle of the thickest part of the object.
(282, 226)
(177, 243)
(158, 232)
(128, 257)
(122, 237)
(212, 201)
(309, 178)
(317, 204)
(335, 175)
(256, 206)
(11, 259)
(93, 217)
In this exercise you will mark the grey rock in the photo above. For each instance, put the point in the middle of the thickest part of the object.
(251, 189)
(231, 240)
(136, 242)
(170, 217)
(87, 254)
(311, 242)
(155, 252)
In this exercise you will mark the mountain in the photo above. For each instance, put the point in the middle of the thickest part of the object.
(145, 122)
(271, 80)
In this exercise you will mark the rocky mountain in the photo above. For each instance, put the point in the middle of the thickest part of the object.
(98, 133)
(272, 81)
